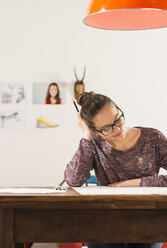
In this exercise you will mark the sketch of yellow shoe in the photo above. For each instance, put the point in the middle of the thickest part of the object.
(43, 123)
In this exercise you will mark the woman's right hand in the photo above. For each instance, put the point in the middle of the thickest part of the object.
(88, 132)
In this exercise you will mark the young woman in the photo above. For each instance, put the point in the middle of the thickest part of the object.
(120, 156)
(53, 95)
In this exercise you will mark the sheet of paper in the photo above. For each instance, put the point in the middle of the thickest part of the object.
(104, 190)
(30, 190)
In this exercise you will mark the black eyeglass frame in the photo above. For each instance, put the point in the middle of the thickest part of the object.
(112, 125)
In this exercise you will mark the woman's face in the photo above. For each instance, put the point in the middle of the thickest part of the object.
(53, 90)
(107, 116)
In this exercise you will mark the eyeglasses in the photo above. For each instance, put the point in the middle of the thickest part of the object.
(110, 128)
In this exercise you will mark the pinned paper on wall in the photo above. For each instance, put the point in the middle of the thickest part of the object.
(13, 93)
(13, 118)
(13, 106)
(49, 93)
(47, 119)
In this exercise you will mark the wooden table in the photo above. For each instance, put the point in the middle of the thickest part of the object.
(70, 217)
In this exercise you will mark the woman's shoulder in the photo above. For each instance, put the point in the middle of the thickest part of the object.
(151, 132)
(97, 139)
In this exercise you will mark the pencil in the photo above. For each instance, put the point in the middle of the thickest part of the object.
(75, 105)
(59, 186)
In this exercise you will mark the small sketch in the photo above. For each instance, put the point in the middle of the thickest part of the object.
(42, 122)
(14, 119)
(21, 94)
(12, 93)
(7, 116)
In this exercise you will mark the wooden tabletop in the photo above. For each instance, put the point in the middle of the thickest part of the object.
(73, 200)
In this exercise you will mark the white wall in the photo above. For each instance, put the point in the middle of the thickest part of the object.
(41, 41)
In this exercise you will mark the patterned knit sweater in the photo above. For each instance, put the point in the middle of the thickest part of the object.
(110, 165)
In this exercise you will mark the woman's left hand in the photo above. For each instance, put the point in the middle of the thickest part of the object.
(127, 183)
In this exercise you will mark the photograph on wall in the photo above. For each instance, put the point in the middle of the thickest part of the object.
(13, 118)
(48, 93)
(13, 93)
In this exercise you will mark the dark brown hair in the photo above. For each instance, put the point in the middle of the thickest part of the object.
(91, 104)
(57, 97)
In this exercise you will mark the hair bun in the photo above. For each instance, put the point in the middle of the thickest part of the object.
(84, 96)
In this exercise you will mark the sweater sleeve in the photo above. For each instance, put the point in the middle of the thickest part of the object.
(78, 169)
(158, 180)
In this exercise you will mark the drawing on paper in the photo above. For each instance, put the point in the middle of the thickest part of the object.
(42, 122)
(7, 116)
(12, 118)
(12, 93)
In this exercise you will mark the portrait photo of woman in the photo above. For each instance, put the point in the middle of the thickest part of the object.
(53, 94)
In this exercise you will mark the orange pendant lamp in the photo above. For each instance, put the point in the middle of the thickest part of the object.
(126, 14)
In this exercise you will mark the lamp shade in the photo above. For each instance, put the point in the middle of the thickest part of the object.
(126, 14)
